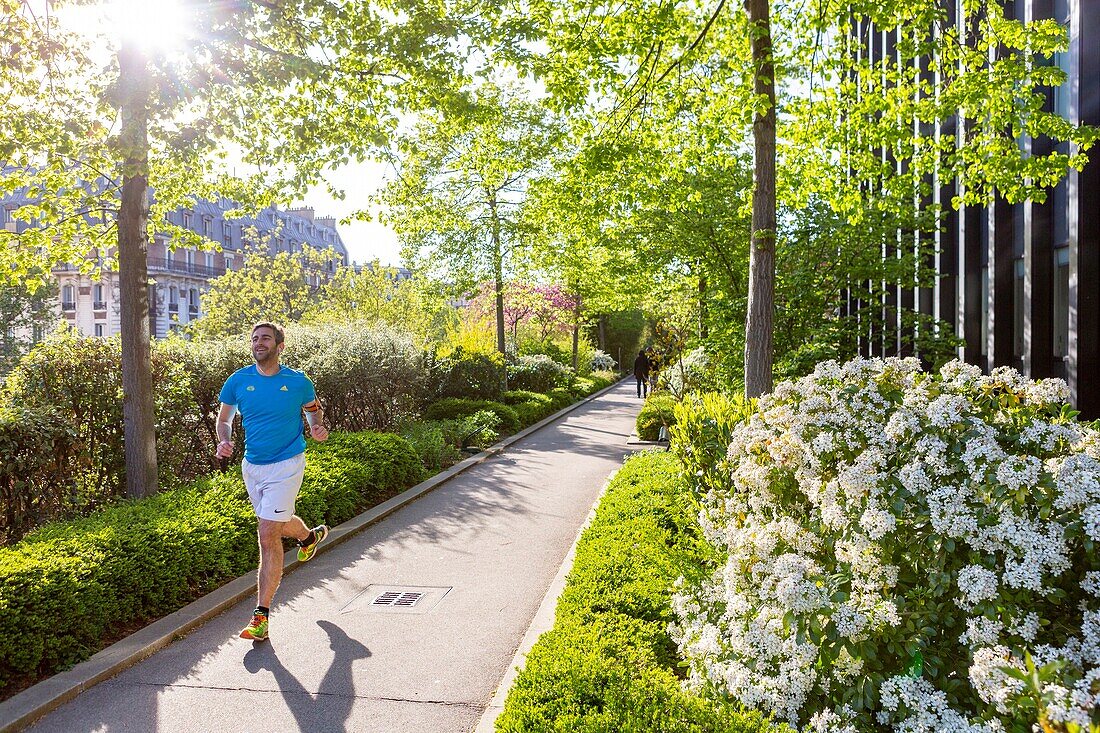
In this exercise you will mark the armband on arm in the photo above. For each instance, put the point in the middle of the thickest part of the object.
(313, 412)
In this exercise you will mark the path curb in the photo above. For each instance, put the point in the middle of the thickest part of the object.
(26, 707)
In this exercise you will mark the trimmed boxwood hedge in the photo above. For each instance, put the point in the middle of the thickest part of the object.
(608, 663)
(450, 408)
(138, 560)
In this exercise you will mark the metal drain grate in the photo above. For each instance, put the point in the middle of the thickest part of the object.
(397, 599)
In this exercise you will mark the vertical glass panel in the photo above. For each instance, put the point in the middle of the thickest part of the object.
(1018, 308)
(1061, 302)
(984, 349)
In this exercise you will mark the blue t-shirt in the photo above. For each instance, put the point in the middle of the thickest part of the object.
(271, 410)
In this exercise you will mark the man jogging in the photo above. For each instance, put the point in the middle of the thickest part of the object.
(271, 399)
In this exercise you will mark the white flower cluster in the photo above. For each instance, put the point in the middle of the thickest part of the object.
(868, 503)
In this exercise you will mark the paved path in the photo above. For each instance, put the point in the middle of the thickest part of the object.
(495, 536)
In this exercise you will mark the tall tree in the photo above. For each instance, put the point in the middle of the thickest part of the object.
(462, 175)
(294, 88)
(759, 321)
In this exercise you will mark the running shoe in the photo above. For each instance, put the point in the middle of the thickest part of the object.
(306, 552)
(257, 629)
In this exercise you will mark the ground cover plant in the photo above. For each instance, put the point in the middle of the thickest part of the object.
(904, 551)
(608, 664)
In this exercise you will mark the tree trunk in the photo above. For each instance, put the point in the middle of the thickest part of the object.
(498, 275)
(577, 333)
(758, 322)
(137, 371)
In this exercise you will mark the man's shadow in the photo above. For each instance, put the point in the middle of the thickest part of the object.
(328, 708)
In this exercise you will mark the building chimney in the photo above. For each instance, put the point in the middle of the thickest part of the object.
(303, 211)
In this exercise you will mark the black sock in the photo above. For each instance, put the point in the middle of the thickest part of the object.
(308, 540)
(260, 610)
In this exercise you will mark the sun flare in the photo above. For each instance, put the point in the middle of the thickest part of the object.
(155, 25)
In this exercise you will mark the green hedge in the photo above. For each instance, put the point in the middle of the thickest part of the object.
(608, 663)
(450, 408)
(529, 406)
(658, 410)
(39, 450)
(69, 584)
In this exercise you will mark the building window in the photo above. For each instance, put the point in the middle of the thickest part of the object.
(68, 298)
(169, 257)
(193, 302)
(99, 330)
(37, 333)
(1061, 302)
(208, 258)
(99, 302)
(187, 220)
(228, 263)
(207, 229)
(1018, 312)
(227, 234)
(190, 254)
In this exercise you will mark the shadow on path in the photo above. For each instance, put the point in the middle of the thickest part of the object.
(330, 707)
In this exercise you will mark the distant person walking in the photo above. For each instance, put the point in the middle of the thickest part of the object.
(642, 366)
(271, 399)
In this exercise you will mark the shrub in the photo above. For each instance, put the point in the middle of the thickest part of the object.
(537, 373)
(701, 434)
(471, 374)
(457, 407)
(907, 549)
(582, 387)
(658, 411)
(141, 559)
(519, 396)
(38, 451)
(604, 378)
(430, 441)
(529, 406)
(367, 378)
(80, 378)
(692, 372)
(561, 397)
(608, 663)
(600, 361)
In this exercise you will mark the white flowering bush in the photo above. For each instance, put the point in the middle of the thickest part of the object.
(601, 361)
(905, 551)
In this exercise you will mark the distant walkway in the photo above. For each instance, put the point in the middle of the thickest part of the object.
(482, 550)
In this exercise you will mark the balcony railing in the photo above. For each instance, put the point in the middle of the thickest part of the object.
(68, 305)
(162, 264)
(173, 307)
(192, 310)
(99, 305)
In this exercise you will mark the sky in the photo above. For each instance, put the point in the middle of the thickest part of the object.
(366, 241)
(157, 22)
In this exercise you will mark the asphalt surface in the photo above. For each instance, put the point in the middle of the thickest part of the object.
(482, 549)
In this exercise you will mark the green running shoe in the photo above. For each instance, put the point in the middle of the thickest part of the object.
(306, 552)
(257, 629)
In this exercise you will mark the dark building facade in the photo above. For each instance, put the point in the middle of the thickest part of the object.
(1020, 283)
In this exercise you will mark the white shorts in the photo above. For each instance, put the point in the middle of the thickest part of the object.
(273, 487)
